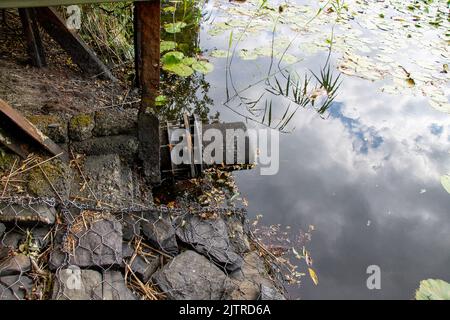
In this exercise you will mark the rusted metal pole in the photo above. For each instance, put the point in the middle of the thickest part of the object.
(80, 53)
(147, 23)
(147, 41)
(32, 37)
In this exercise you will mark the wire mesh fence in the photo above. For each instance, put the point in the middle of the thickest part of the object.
(67, 250)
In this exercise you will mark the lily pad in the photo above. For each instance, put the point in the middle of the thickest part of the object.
(172, 57)
(174, 27)
(219, 54)
(167, 45)
(433, 289)
(188, 61)
(245, 54)
(179, 69)
(203, 66)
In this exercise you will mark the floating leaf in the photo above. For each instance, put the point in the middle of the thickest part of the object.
(174, 27)
(172, 57)
(219, 54)
(167, 45)
(203, 66)
(313, 276)
(179, 69)
(245, 54)
(188, 61)
(445, 181)
(433, 289)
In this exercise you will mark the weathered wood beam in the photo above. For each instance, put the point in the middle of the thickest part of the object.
(80, 53)
(49, 3)
(32, 37)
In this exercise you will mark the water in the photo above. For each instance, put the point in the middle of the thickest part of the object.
(366, 174)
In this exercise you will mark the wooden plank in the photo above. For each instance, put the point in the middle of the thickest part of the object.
(48, 3)
(26, 127)
(32, 37)
(80, 53)
(147, 43)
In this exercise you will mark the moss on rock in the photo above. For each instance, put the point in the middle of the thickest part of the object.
(52, 126)
(40, 184)
(81, 126)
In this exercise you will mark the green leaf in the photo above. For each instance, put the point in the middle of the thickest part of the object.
(174, 27)
(245, 54)
(188, 61)
(172, 57)
(179, 69)
(219, 54)
(433, 289)
(167, 45)
(445, 181)
(160, 100)
(203, 66)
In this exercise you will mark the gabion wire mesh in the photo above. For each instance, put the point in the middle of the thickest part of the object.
(69, 250)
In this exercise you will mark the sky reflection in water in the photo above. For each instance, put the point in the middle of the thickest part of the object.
(366, 176)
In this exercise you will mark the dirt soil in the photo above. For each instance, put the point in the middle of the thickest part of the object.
(59, 89)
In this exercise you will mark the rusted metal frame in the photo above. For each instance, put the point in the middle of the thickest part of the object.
(14, 120)
(32, 37)
(80, 53)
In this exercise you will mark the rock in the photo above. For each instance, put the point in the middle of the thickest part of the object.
(76, 284)
(131, 226)
(127, 250)
(190, 276)
(30, 213)
(159, 231)
(238, 238)
(12, 239)
(144, 267)
(2, 229)
(124, 145)
(115, 122)
(81, 126)
(98, 246)
(17, 287)
(149, 146)
(250, 278)
(270, 293)
(58, 176)
(210, 238)
(115, 182)
(58, 259)
(40, 236)
(114, 287)
(52, 126)
(14, 265)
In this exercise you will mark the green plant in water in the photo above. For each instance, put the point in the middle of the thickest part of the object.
(433, 289)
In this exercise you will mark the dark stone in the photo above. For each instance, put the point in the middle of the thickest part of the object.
(159, 231)
(115, 122)
(32, 213)
(124, 145)
(149, 146)
(40, 236)
(17, 287)
(12, 239)
(131, 226)
(76, 284)
(99, 246)
(270, 293)
(58, 259)
(237, 235)
(210, 238)
(127, 250)
(144, 267)
(190, 276)
(114, 287)
(17, 264)
(250, 278)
